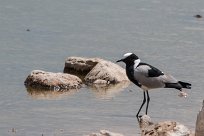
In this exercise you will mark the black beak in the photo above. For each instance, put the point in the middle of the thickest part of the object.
(119, 60)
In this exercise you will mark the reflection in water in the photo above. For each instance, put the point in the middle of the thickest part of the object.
(107, 92)
(49, 94)
(100, 90)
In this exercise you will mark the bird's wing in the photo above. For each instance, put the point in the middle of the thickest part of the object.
(167, 78)
(148, 70)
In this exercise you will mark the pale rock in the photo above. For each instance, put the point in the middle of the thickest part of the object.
(95, 70)
(52, 81)
(199, 131)
(164, 128)
(105, 133)
(79, 65)
(46, 94)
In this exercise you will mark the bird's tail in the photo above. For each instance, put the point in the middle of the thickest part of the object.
(185, 85)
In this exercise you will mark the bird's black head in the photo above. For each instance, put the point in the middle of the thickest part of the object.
(129, 58)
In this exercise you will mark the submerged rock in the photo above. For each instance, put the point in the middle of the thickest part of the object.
(46, 94)
(165, 128)
(52, 81)
(199, 130)
(197, 16)
(105, 133)
(108, 91)
(95, 70)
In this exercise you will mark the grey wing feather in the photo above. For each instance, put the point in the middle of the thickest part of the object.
(149, 70)
(141, 74)
(168, 79)
(165, 78)
(143, 69)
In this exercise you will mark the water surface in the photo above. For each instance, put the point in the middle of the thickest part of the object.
(162, 33)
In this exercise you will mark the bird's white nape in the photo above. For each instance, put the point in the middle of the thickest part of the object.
(137, 62)
(127, 54)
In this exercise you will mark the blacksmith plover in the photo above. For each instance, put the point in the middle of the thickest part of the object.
(148, 77)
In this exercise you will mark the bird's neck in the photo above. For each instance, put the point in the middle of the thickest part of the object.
(136, 63)
(130, 72)
(133, 63)
(130, 68)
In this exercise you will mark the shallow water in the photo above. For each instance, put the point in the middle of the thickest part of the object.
(38, 34)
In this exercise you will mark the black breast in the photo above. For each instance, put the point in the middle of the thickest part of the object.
(130, 75)
(130, 72)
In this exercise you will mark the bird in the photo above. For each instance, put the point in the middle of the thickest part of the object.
(148, 77)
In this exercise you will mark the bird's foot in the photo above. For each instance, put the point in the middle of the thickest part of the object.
(138, 117)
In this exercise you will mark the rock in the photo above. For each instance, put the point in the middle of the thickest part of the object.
(45, 94)
(197, 16)
(52, 81)
(145, 121)
(79, 66)
(95, 70)
(199, 131)
(165, 128)
(99, 81)
(105, 133)
(183, 94)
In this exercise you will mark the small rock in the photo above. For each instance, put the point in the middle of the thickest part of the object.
(105, 133)
(100, 81)
(180, 130)
(183, 94)
(95, 70)
(13, 130)
(145, 121)
(164, 128)
(46, 94)
(52, 81)
(79, 66)
(198, 16)
(199, 130)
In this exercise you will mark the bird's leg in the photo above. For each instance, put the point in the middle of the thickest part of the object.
(144, 100)
(148, 99)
